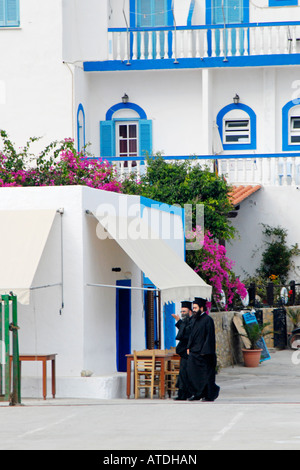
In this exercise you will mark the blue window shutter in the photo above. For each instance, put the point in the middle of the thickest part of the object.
(12, 12)
(145, 137)
(217, 12)
(107, 139)
(234, 11)
(2, 12)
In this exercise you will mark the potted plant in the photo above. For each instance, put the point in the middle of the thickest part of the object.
(254, 332)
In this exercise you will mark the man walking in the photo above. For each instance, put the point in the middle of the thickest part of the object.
(184, 328)
(202, 360)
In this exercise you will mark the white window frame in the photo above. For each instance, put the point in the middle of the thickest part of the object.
(294, 132)
(237, 131)
(118, 137)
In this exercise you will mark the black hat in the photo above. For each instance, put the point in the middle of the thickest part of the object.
(200, 301)
(186, 304)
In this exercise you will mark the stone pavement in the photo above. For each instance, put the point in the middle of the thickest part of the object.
(257, 409)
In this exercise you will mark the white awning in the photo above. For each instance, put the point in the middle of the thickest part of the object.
(175, 279)
(23, 236)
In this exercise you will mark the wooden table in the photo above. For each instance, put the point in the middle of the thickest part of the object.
(43, 358)
(163, 356)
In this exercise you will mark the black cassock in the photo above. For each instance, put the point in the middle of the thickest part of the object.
(202, 360)
(184, 329)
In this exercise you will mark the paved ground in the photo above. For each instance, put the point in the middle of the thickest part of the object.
(257, 409)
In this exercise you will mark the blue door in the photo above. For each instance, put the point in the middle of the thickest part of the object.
(153, 14)
(123, 323)
(230, 12)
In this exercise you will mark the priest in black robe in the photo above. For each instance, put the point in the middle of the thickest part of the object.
(184, 328)
(202, 359)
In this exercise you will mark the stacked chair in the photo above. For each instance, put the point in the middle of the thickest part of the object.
(146, 375)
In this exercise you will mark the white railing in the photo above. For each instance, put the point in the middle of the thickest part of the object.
(204, 41)
(278, 170)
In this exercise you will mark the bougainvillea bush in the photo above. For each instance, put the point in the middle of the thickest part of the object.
(216, 268)
(59, 164)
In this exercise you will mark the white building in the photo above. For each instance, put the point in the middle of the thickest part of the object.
(83, 264)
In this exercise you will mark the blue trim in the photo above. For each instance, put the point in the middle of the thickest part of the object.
(191, 12)
(146, 202)
(80, 109)
(282, 3)
(252, 115)
(285, 125)
(194, 63)
(118, 106)
(132, 15)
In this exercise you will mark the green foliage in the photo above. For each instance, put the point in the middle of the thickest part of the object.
(255, 332)
(186, 183)
(277, 257)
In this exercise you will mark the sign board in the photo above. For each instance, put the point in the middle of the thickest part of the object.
(238, 323)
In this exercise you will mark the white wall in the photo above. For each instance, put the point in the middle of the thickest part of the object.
(38, 86)
(85, 24)
(174, 105)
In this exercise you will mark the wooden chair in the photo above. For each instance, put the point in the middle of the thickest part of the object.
(145, 374)
(171, 374)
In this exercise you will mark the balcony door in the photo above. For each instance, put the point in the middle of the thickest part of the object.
(230, 12)
(152, 14)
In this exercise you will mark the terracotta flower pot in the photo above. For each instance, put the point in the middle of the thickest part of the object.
(251, 357)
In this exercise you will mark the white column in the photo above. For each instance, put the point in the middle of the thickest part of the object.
(207, 119)
(268, 125)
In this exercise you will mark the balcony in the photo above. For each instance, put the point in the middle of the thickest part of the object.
(259, 169)
(201, 46)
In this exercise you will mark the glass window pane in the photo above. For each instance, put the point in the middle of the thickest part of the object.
(123, 131)
(132, 146)
(132, 130)
(235, 124)
(123, 146)
(232, 138)
(295, 139)
(295, 122)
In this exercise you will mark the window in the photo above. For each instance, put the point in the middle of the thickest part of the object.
(126, 132)
(237, 127)
(237, 130)
(9, 13)
(295, 130)
(80, 128)
(127, 139)
(291, 125)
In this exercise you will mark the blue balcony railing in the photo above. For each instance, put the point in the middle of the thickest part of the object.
(206, 41)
